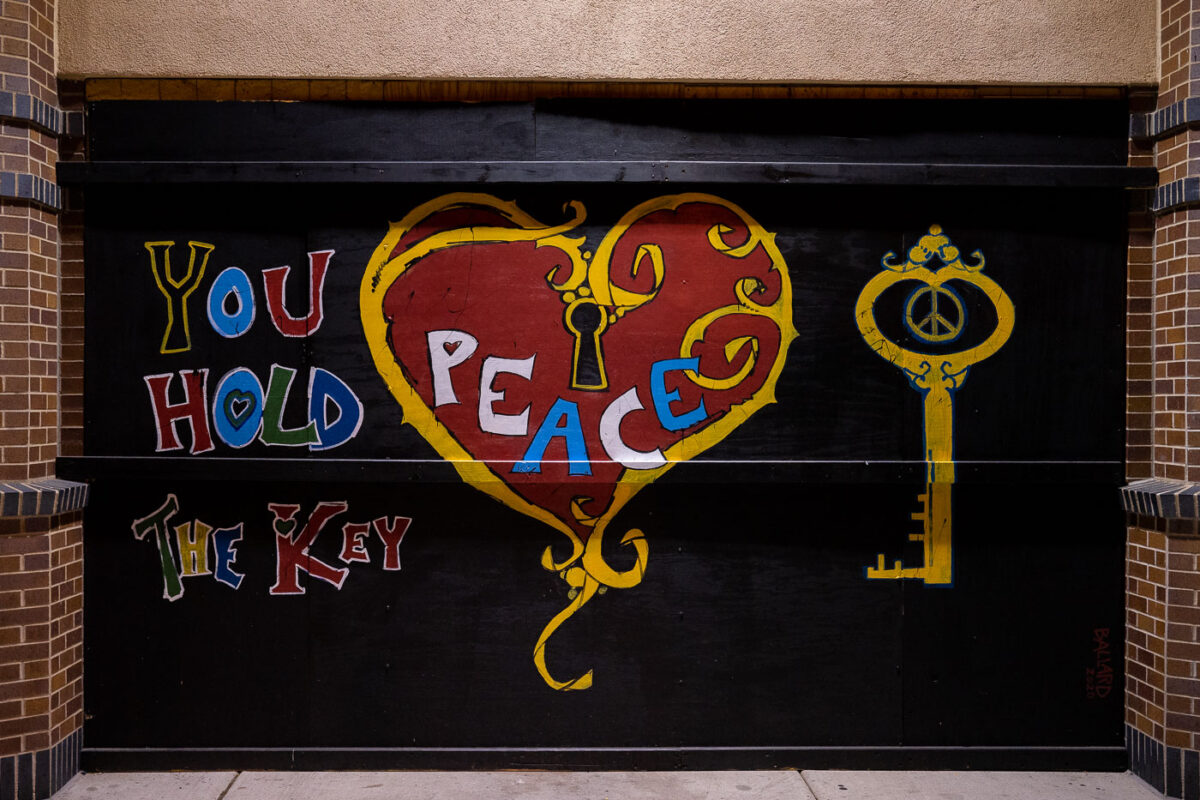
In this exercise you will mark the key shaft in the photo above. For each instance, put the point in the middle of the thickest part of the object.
(939, 431)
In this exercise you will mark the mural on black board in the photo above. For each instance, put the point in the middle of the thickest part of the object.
(595, 453)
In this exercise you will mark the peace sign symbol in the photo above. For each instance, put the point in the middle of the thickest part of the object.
(933, 325)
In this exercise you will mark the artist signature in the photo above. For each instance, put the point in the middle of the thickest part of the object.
(1100, 676)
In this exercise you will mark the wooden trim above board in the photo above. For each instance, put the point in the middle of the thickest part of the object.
(523, 91)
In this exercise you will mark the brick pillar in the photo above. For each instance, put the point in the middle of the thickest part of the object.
(1163, 425)
(41, 536)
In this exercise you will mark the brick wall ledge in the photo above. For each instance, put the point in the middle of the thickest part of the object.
(1155, 125)
(31, 188)
(1182, 193)
(19, 107)
(1163, 498)
(41, 497)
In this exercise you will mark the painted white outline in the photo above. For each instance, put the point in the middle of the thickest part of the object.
(363, 529)
(232, 549)
(241, 303)
(320, 445)
(158, 446)
(287, 393)
(316, 301)
(171, 500)
(375, 524)
(261, 400)
(345, 506)
(190, 525)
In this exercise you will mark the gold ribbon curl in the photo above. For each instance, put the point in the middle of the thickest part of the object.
(591, 577)
(588, 573)
(745, 305)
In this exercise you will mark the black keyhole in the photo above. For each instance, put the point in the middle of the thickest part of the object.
(585, 321)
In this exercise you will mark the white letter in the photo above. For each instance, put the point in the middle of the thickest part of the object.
(441, 358)
(610, 435)
(489, 420)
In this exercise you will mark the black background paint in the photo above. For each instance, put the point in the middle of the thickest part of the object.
(755, 626)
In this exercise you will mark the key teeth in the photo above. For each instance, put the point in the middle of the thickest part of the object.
(897, 571)
(879, 571)
(923, 514)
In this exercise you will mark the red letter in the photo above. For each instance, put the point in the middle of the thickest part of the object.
(194, 409)
(273, 282)
(352, 542)
(391, 535)
(291, 555)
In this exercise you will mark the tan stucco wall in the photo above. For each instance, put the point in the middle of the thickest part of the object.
(1109, 42)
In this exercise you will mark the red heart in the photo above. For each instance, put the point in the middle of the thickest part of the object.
(467, 282)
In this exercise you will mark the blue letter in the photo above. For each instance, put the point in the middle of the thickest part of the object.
(324, 387)
(224, 542)
(231, 281)
(663, 399)
(238, 407)
(566, 413)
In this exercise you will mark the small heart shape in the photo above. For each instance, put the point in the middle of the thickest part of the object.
(284, 527)
(239, 407)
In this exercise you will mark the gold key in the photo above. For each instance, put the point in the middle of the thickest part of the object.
(934, 314)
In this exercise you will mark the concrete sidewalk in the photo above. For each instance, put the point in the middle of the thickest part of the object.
(763, 785)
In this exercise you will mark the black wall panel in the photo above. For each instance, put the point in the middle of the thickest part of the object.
(755, 636)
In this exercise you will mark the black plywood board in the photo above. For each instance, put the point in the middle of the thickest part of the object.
(1058, 255)
(755, 626)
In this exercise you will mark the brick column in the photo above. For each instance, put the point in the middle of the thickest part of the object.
(41, 536)
(1163, 425)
